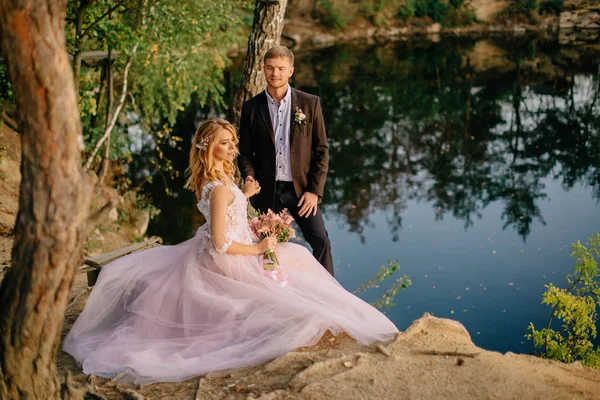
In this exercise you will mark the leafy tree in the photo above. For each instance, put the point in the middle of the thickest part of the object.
(170, 50)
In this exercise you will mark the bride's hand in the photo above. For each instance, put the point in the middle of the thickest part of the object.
(268, 243)
(251, 187)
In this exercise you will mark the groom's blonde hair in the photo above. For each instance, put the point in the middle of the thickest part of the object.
(202, 166)
(279, 51)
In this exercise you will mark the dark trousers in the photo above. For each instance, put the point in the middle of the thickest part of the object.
(312, 227)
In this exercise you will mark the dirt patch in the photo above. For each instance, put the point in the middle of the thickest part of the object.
(435, 358)
(487, 10)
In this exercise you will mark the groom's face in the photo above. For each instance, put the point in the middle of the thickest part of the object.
(278, 71)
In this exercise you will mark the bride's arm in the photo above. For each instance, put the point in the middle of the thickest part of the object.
(219, 201)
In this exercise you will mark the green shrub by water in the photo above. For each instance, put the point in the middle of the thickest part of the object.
(435, 9)
(574, 311)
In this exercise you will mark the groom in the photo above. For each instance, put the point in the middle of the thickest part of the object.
(283, 146)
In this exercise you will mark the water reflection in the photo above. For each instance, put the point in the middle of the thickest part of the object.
(459, 124)
(428, 123)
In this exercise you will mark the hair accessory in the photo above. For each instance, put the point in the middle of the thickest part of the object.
(204, 142)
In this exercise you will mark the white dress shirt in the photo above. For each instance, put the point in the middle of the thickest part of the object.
(280, 119)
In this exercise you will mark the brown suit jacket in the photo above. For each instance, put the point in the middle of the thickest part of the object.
(309, 150)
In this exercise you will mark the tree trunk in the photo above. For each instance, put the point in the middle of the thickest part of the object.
(109, 109)
(54, 201)
(77, 57)
(266, 33)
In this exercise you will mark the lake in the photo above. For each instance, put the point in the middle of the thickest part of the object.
(473, 162)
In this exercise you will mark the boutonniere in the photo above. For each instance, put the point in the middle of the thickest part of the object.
(299, 116)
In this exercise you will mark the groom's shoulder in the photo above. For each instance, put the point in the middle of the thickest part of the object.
(255, 100)
(306, 96)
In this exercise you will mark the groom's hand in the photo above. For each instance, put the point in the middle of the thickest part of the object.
(309, 202)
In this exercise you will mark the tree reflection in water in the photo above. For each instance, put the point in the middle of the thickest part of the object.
(423, 123)
(460, 124)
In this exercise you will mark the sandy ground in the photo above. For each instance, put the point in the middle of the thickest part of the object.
(433, 359)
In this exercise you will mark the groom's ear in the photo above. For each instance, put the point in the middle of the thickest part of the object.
(291, 71)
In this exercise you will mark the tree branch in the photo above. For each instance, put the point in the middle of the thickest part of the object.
(117, 111)
(113, 8)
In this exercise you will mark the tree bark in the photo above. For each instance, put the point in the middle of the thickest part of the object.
(54, 201)
(266, 33)
(79, 16)
(109, 109)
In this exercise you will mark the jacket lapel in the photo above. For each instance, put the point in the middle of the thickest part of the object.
(264, 112)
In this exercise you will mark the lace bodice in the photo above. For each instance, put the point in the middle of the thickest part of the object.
(237, 228)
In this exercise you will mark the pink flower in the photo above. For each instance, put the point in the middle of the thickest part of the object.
(288, 220)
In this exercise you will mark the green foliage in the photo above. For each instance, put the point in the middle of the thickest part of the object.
(181, 50)
(457, 3)
(528, 6)
(575, 307)
(331, 16)
(385, 272)
(406, 10)
(435, 9)
(374, 11)
(6, 92)
(460, 17)
(552, 6)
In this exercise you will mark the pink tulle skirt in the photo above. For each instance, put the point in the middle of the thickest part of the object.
(174, 312)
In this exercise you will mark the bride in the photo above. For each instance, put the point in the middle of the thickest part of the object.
(174, 312)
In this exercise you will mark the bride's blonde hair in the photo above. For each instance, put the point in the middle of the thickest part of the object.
(202, 166)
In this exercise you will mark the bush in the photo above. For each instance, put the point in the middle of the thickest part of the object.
(406, 10)
(436, 9)
(552, 6)
(332, 17)
(529, 6)
(457, 3)
(574, 311)
(460, 17)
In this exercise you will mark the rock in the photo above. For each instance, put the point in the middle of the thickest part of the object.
(435, 28)
(590, 25)
(519, 29)
(584, 19)
(567, 20)
(395, 31)
(141, 219)
(113, 215)
(323, 38)
(97, 236)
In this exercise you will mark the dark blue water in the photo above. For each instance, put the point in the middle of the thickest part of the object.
(474, 163)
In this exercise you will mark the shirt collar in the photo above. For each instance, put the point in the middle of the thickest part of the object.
(286, 99)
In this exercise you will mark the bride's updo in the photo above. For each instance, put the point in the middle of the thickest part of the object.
(202, 166)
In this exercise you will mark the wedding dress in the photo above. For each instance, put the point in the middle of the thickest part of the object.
(170, 313)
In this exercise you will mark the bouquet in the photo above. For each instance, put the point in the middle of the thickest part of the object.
(271, 224)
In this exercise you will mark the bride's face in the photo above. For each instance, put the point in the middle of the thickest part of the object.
(224, 149)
